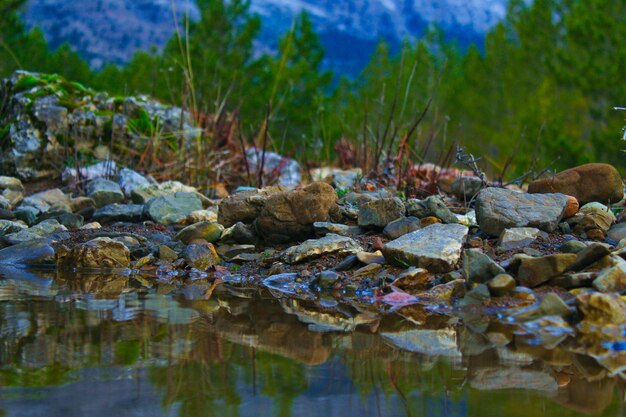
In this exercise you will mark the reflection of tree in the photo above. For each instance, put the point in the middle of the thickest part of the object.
(281, 379)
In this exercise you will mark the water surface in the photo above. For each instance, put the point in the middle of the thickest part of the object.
(109, 345)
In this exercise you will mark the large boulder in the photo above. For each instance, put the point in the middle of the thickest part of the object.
(498, 209)
(243, 206)
(436, 247)
(589, 182)
(289, 215)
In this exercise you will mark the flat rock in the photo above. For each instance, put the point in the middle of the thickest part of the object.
(324, 228)
(517, 237)
(498, 209)
(612, 279)
(499, 378)
(171, 209)
(289, 215)
(32, 252)
(43, 229)
(144, 193)
(533, 272)
(314, 248)
(587, 183)
(381, 212)
(132, 213)
(44, 200)
(104, 192)
(436, 247)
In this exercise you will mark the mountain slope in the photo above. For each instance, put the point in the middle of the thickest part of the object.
(111, 30)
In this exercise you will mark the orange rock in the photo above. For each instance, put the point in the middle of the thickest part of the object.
(571, 208)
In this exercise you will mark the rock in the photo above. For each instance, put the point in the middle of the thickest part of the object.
(498, 209)
(612, 279)
(401, 227)
(144, 193)
(500, 285)
(104, 192)
(413, 279)
(81, 203)
(348, 263)
(587, 183)
(477, 295)
(370, 271)
(371, 258)
(327, 279)
(290, 215)
(427, 221)
(242, 207)
(324, 228)
(11, 183)
(171, 209)
(429, 342)
(517, 237)
(599, 308)
(11, 197)
(533, 272)
(129, 180)
(478, 267)
(131, 213)
(211, 232)
(288, 170)
(8, 227)
(44, 200)
(208, 215)
(101, 252)
(491, 378)
(550, 305)
(433, 206)
(27, 214)
(570, 281)
(379, 213)
(436, 247)
(43, 229)
(572, 246)
(32, 252)
(617, 232)
(69, 220)
(313, 248)
(465, 188)
(572, 207)
(589, 256)
(200, 255)
(239, 233)
(167, 254)
(6, 214)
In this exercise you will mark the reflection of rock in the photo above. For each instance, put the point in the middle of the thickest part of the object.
(496, 378)
(429, 342)
(325, 321)
(589, 397)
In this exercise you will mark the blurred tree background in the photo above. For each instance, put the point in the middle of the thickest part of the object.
(539, 93)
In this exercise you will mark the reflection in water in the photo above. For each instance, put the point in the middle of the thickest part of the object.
(102, 345)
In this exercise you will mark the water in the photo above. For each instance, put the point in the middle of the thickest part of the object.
(105, 345)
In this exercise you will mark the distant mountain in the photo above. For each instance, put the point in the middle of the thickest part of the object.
(112, 30)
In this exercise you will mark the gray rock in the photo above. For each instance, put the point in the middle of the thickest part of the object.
(11, 183)
(436, 247)
(144, 193)
(431, 206)
(32, 252)
(517, 237)
(572, 246)
(8, 226)
(44, 200)
(379, 213)
(104, 192)
(327, 279)
(617, 232)
(533, 272)
(429, 342)
(129, 180)
(239, 233)
(345, 179)
(498, 378)
(27, 214)
(478, 267)
(401, 227)
(171, 209)
(313, 248)
(132, 213)
(67, 219)
(36, 232)
(12, 197)
(498, 209)
(477, 295)
(465, 188)
(324, 228)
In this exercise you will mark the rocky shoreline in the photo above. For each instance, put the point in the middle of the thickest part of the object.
(537, 259)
